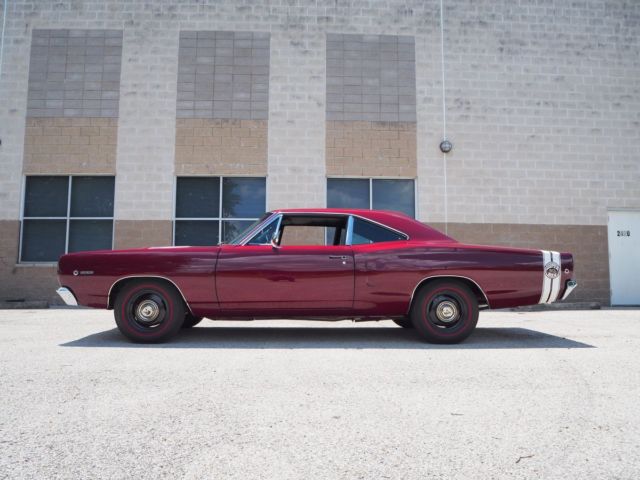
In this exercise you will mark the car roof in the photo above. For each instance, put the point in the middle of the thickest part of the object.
(396, 220)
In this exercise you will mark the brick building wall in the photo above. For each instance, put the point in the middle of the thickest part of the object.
(222, 105)
(543, 109)
(72, 101)
(371, 106)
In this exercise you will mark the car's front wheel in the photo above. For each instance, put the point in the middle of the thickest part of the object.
(444, 311)
(149, 311)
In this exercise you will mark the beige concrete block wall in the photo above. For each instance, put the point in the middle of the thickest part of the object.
(542, 109)
(147, 116)
(370, 149)
(59, 145)
(22, 282)
(221, 147)
(294, 235)
(296, 168)
(142, 233)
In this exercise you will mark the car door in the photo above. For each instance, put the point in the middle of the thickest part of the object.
(262, 279)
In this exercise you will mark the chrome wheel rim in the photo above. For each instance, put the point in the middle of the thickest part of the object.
(147, 310)
(446, 311)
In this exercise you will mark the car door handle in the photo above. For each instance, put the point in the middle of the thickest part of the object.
(338, 257)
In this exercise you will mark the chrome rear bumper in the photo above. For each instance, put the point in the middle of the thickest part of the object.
(571, 284)
(67, 296)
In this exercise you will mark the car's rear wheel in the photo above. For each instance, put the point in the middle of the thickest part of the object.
(149, 311)
(444, 311)
(403, 322)
(190, 321)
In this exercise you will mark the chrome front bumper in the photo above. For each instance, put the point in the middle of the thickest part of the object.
(571, 284)
(67, 296)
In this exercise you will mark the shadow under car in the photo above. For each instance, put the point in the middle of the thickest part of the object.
(348, 338)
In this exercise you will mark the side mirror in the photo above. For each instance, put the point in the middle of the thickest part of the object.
(274, 241)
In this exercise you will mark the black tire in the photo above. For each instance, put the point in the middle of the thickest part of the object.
(404, 322)
(444, 311)
(190, 321)
(149, 311)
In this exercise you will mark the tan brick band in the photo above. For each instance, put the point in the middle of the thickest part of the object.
(142, 233)
(587, 243)
(59, 145)
(221, 147)
(371, 149)
(23, 282)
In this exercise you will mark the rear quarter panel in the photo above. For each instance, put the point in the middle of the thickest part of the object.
(387, 275)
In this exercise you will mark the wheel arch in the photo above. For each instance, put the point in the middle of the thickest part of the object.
(483, 300)
(121, 282)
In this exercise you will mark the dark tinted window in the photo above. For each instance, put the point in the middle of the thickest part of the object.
(90, 235)
(198, 197)
(243, 201)
(46, 197)
(348, 193)
(398, 195)
(92, 196)
(367, 232)
(243, 197)
(43, 240)
(196, 232)
(379, 194)
(52, 211)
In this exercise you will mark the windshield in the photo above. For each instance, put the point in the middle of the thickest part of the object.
(244, 232)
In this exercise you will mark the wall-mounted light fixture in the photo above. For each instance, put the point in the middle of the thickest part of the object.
(445, 146)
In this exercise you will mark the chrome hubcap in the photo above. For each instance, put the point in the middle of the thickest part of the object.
(447, 312)
(147, 311)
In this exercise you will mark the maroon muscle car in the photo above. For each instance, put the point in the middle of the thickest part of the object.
(361, 265)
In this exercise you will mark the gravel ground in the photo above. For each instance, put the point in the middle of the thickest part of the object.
(529, 395)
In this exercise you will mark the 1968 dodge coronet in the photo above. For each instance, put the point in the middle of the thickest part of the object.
(328, 264)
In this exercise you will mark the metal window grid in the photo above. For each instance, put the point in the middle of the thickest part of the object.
(371, 179)
(219, 218)
(66, 218)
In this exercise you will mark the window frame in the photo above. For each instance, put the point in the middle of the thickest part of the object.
(68, 217)
(278, 216)
(370, 182)
(220, 218)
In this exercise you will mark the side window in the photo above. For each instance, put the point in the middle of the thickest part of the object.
(366, 232)
(335, 235)
(318, 230)
(264, 236)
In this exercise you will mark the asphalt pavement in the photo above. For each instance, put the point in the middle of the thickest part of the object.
(552, 394)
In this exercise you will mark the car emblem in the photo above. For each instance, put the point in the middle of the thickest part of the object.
(75, 272)
(552, 270)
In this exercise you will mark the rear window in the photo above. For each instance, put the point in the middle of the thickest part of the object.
(366, 232)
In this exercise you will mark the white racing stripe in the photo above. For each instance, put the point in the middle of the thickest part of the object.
(550, 286)
(555, 283)
(546, 281)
